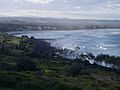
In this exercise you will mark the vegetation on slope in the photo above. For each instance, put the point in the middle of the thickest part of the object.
(24, 66)
(109, 59)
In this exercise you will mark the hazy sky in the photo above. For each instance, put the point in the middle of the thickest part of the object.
(85, 9)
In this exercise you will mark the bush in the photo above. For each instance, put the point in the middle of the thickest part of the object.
(61, 86)
(26, 64)
(74, 69)
(109, 59)
(6, 81)
(5, 66)
(30, 85)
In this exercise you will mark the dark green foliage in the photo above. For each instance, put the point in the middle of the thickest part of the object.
(26, 64)
(5, 66)
(74, 69)
(28, 85)
(7, 82)
(65, 87)
(109, 59)
(27, 43)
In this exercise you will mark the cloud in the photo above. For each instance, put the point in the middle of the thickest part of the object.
(64, 1)
(106, 9)
(40, 1)
(77, 7)
(113, 4)
(16, 0)
(62, 14)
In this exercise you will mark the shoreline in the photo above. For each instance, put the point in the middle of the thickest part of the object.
(44, 48)
(59, 30)
(51, 40)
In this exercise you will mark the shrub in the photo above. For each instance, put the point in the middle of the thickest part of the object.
(26, 64)
(74, 69)
(5, 66)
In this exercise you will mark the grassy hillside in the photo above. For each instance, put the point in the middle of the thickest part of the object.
(24, 67)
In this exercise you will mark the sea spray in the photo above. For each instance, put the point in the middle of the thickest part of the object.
(78, 53)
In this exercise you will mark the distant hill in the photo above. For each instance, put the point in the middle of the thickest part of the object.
(31, 23)
(55, 20)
